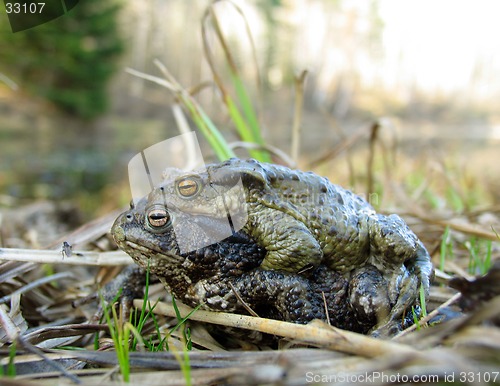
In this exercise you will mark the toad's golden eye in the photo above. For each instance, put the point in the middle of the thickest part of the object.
(188, 187)
(158, 217)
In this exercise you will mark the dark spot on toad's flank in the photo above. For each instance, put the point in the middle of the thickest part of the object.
(333, 230)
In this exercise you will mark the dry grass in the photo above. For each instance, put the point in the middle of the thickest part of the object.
(54, 340)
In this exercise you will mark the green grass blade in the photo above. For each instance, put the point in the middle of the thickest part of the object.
(416, 321)
(186, 368)
(143, 315)
(120, 338)
(487, 260)
(241, 126)
(423, 304)
(11, 365)
(445, 247)
(250, 132)
(181, 320)
(208, 129)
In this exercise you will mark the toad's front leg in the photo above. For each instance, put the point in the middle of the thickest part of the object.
(400, 255)
(290, 245)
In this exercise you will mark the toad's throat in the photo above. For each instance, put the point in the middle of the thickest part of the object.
(170, 257)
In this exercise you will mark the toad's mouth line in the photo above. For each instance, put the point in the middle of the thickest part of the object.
(146, 252)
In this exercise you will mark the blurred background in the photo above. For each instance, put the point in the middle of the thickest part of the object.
(71, 117)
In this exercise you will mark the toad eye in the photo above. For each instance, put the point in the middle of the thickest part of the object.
(188, 187)
(158, 217)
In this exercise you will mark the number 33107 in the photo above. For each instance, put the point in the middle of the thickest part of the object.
(24, 8)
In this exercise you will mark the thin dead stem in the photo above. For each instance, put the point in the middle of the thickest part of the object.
(297, 117)
(322, 336)
(429, 316)
(374, 131)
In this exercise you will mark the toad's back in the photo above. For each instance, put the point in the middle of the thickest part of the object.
(336, 217)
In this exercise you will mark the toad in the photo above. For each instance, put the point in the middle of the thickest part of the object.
(294, 235)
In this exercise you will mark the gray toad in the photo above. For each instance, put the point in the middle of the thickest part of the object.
(304, 232)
